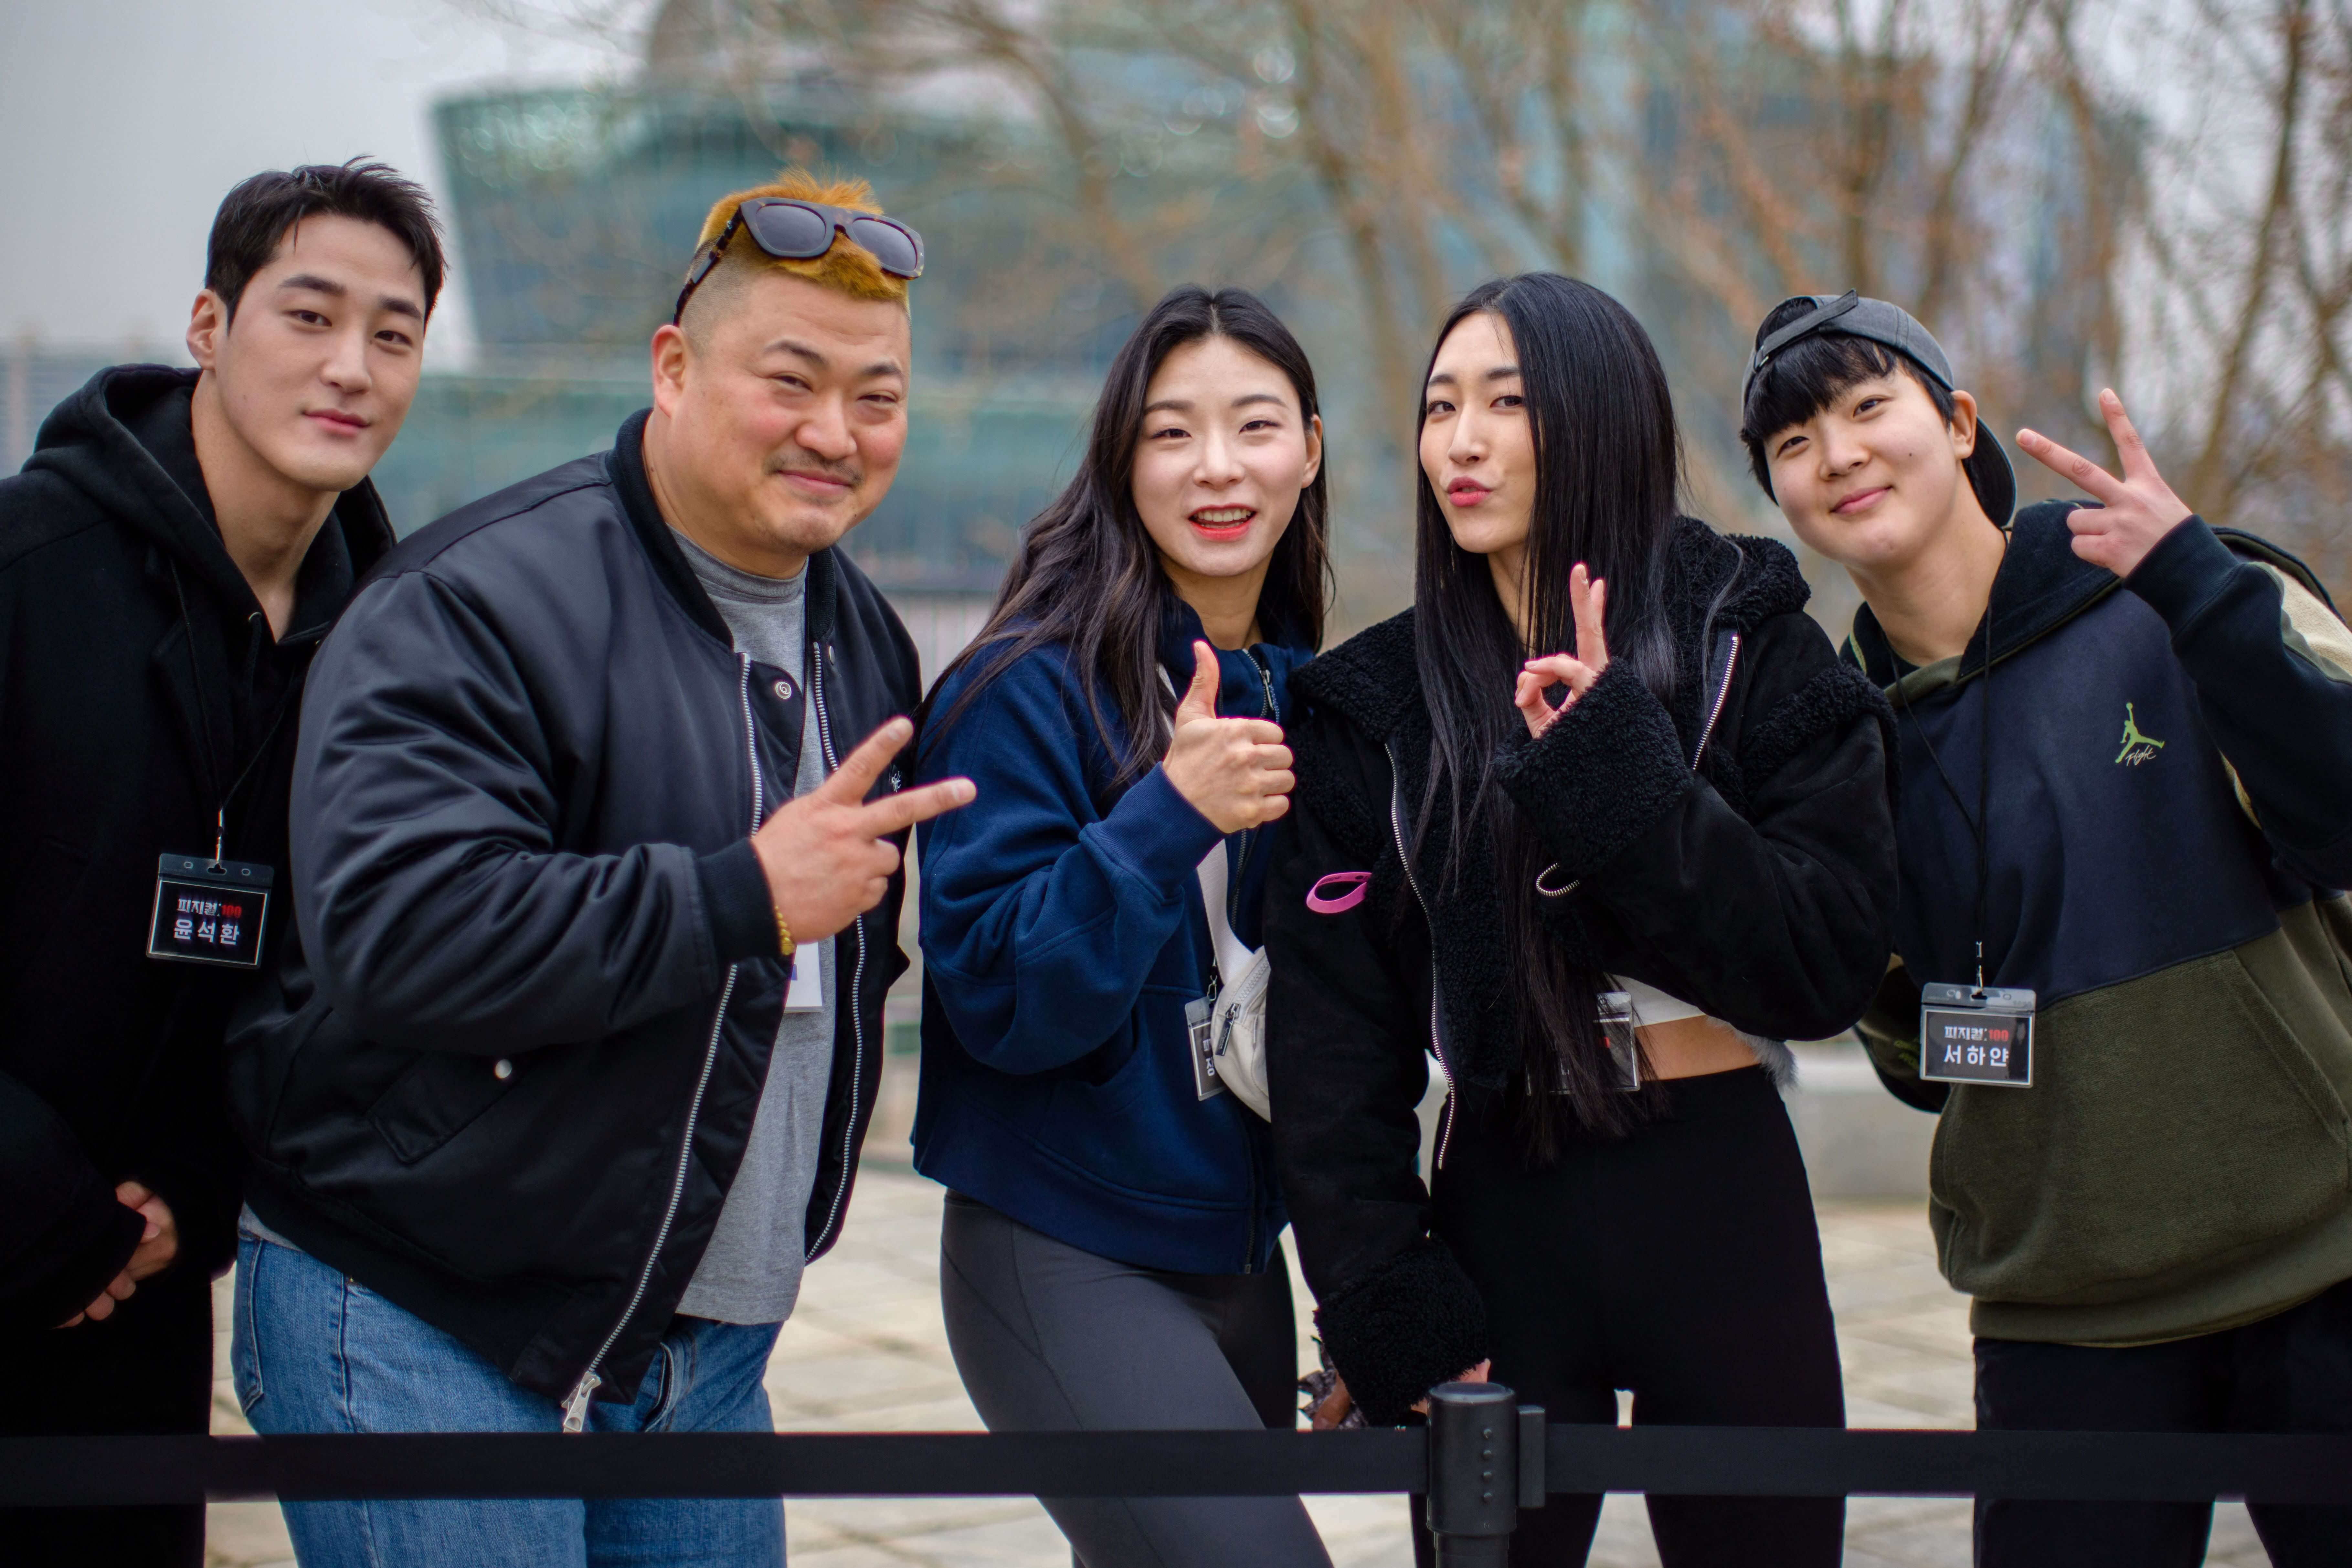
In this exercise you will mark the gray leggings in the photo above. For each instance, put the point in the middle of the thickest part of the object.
(1051, 1338)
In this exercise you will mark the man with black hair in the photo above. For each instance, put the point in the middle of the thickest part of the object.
(2122, 952)
(170, 558)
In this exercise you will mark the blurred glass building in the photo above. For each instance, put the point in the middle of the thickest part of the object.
(574, 211)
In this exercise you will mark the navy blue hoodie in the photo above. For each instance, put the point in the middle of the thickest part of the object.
(1063, 933)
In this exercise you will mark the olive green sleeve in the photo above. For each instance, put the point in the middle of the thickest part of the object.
(1889, 1029)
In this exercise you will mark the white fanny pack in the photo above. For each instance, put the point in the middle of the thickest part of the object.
(1228, 1027)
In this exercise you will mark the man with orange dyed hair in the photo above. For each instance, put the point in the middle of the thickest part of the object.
(564, 1076)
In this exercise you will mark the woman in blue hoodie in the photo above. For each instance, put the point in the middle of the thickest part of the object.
(1109, 1257)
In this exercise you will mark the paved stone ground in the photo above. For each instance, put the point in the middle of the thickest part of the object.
(866, 1351)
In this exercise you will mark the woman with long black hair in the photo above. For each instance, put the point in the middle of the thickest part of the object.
(1600, 823)
(1109, 1258)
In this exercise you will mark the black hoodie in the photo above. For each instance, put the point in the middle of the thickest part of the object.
(138, 678)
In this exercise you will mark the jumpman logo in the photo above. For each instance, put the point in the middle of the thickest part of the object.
(2138, 747)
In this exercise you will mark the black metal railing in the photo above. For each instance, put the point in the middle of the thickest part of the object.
(1482, 1458)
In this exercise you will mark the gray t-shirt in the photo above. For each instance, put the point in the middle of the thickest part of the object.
(752, 1271)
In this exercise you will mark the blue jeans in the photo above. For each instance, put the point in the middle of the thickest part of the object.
(312, 1350)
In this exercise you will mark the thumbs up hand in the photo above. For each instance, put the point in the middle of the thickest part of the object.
(1235, 772)
(2134, 513)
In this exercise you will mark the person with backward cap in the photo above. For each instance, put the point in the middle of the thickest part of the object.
(2124, 962)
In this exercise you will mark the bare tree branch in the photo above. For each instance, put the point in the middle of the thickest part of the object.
(1987, 75)
(2212, 478)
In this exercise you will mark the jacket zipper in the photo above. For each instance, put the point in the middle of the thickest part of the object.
(1249, 839)
(1722, 692)
(1249, 1253)
(857, 977)
(1266, 679)
(575, 1407)
(1437, 1037)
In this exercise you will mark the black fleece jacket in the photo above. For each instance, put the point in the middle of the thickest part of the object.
(138, 680)
(1759, 887)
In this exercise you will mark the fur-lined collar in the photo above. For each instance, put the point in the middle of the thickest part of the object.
(1374, 679)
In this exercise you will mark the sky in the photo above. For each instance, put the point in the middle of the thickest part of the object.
(122, 123)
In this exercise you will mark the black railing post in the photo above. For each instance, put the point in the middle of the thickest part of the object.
(1473, 1473)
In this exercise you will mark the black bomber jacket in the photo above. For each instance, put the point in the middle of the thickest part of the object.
(1757, 885)
(506, 1072)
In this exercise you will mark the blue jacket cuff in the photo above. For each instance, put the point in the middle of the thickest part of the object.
(1157, 833)
(735, 892)
(2182, 573)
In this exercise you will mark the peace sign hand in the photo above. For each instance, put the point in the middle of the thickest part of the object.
(1588, 596)
(828, 854)
(2134, 511)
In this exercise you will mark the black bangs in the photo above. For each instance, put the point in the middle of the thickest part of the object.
(255, 216)
(1805, 377)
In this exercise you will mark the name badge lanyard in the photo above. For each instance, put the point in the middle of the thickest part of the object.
(211, 910)
(1975, 1034)
(1206, 1036)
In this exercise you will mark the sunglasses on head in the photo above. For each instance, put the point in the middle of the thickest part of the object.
(793, 231)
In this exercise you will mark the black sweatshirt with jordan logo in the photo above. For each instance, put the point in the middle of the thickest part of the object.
(2169, 826)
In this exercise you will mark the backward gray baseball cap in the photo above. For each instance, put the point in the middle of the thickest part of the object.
(1849, 315)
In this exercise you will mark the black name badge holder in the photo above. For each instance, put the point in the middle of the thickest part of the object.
(1615, 1018)
(1970, 1034)
(1201, 1029)
(208, 911)
(1616, 1021)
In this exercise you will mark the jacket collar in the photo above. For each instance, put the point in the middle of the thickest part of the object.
(1372, 678)
(1714, 583)
(2039, 586)
(1242, 689)
(627, 464)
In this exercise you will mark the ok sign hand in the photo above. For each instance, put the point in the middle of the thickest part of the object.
(2134, 513)
(1588, 597)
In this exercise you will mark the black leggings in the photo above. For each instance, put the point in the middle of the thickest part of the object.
(1049, 1337)
(1680, 1262)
